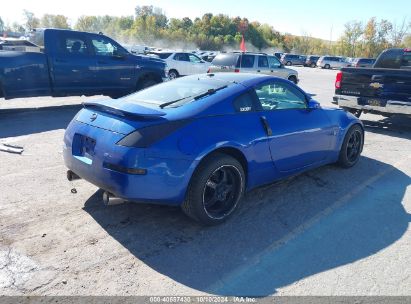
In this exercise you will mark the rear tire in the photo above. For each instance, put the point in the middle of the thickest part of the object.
(293, 79)
(352, 147)
(173, 74)
(145, 83)
(289, 63)
(215, 189)
(327, 66)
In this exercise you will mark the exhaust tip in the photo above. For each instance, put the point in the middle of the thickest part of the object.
(72, 176)
(109, 199)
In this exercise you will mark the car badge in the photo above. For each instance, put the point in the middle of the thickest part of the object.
(376, 85)
(93, 117)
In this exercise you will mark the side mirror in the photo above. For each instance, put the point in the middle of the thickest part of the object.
(313, 105)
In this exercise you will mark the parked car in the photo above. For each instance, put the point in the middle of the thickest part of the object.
(362, 63)
(292, 59)
(205, 140)
(252, 63)
(332, 62)
(76, 63)
(182, 63)
(384, 89)
(311, 61)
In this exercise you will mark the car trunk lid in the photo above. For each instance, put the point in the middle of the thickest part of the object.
(118, 116)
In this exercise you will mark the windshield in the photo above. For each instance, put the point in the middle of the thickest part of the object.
(183, 90)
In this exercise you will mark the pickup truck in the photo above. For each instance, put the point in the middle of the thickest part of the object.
(384, 89)
(73, 63)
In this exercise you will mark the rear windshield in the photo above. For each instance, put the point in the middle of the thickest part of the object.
(225, 59)
(161, 55)
(182, 90)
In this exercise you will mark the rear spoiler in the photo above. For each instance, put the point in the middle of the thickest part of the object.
(124, 109)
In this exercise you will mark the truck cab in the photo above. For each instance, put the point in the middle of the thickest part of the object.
(76, 63)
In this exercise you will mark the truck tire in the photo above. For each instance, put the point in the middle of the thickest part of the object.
(145, 83)
(352, 147)
(215, 189)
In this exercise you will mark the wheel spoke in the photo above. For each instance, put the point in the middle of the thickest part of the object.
(211, 202)
(223, 176)
(211, 184)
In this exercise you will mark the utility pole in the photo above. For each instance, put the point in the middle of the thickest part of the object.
(331, 37)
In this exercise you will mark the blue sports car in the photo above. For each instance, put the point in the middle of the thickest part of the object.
(202, 141)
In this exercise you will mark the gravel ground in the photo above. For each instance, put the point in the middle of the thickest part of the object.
(326, 232)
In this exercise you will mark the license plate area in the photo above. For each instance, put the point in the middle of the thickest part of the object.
(376, 102)
(83, 148)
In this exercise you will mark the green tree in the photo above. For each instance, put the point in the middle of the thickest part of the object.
(54, 21)
(31, 22)
(1, 25)
(88, 24)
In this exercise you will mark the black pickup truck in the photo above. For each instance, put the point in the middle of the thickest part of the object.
(384, 89)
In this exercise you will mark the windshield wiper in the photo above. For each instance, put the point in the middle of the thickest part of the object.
(208, 92)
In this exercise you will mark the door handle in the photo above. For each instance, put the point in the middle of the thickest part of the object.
(272, 71)
(60, 60)
(258, 71)
(377, 77)
(266, 126)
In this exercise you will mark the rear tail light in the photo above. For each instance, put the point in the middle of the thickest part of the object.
(338, 80)
(145, 137)
(237, 71)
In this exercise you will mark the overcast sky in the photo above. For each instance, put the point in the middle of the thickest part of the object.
(319, 18)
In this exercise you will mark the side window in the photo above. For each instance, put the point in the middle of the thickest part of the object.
(273, 62)
(406, 61)
(194, 58)
(262, 62)
(181, 57)
(73, 45)
(244, 103)
(104, 47)
(246, 61)
(280, 96)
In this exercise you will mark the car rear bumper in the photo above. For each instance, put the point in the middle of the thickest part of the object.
(107, 166)
(392, 106)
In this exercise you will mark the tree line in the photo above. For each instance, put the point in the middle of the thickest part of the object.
(150, 26)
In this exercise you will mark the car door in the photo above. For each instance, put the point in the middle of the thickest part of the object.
(115, 67)
(262, 65)
(275, 67)
(298, 137)
(182, 63)
(198, 66)
(72, 65)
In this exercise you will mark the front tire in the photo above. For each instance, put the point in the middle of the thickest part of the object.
(289, 63)
(327, 66)
(215, 189)
(352, 147)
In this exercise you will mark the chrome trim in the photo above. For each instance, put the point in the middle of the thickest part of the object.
(393, 106)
